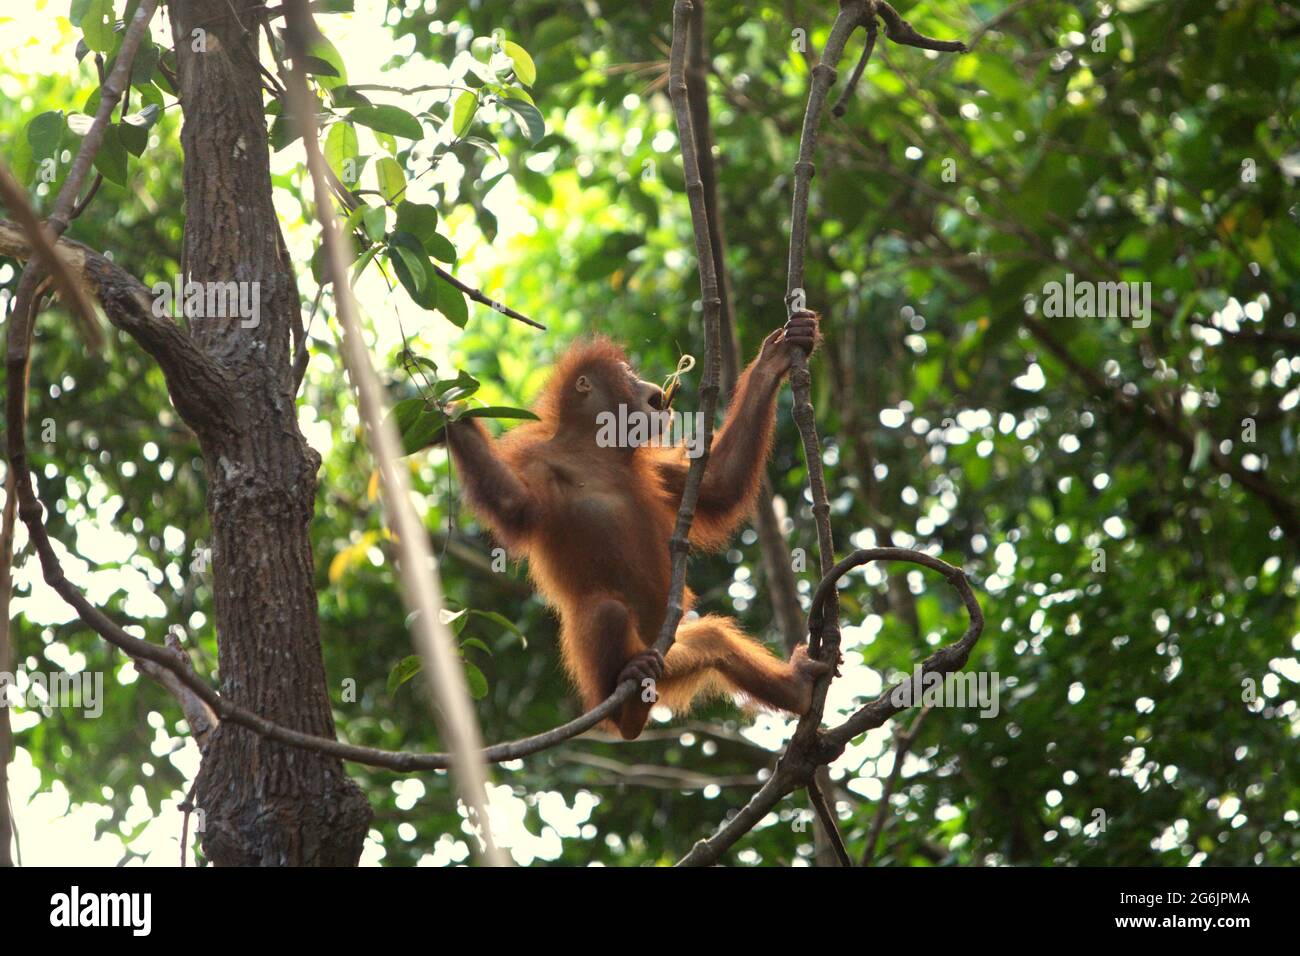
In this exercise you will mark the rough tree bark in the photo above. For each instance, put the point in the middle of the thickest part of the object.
(263, 803)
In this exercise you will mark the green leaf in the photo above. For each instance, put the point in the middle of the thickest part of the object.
(475, 643)
(487, 221)
(419, 219)
(374, 218)
(324, 54)
(462, 115)
(340, 147)
(145, 62)
(478, 685)
(417, 285)
(402, 672)
(362, 261)
(134, 138)
(111, 158)
(453, 389)
(440, 248)
(451, 303)
(318, 67)
(499, 411)
(150, 95)
(45, 132)
(388, 119)
(515, 92)
(479, 143)
(504, 621)
(392, 180)
(21, 161)
(147, 117)
(282, 133)
(97, 25)
(417, 423)
(348, 97)
(524, 67)
(414, 268)
(529, 118)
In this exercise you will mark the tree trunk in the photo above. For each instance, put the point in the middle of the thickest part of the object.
(263, 803)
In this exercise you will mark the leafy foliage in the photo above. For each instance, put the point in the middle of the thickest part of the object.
(1141, 597)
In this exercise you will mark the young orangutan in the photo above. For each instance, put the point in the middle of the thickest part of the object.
(594, 522)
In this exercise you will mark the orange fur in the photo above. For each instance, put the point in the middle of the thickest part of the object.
(594, 524)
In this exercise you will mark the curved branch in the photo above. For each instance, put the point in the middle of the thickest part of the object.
(810, 748)
(196, 383)
(853, 13)
(678, 545)
(841, 104)
(946, 659)
(43, 241)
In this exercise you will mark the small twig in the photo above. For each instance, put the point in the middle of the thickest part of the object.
(678, 545)
(841, 104)
(482, 299)
(80, 207)
(187, 807)
(903, 33)
(303, 354)
(829, 824)
(42, 240)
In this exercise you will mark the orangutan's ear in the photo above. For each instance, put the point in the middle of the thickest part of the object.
(583, 384)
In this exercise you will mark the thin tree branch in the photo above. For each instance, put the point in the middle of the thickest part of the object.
(853, 13)
(841, 105)
(42, 242)
(828, 822)
(776, 562)
(809, 748)
(421, 588)
(678, 545)
(197, 385)
(482, 299)
(660, 777)
(902, 32)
